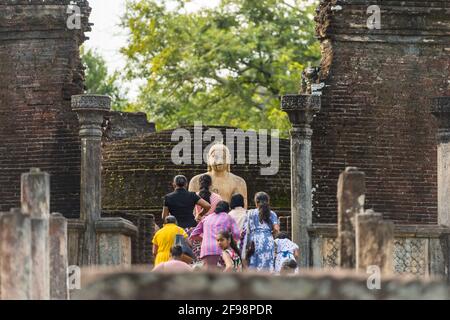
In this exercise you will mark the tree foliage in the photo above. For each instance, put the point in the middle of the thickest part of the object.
(99, 81)
(227, 65)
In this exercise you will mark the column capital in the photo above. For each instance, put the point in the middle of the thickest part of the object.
(91, 103)
(301, 108)
(90, 110)
(440, 109)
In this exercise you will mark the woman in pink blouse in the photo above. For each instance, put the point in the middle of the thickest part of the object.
(213, 199)
(207, 231)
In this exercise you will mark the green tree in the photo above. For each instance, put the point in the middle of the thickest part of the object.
(99, 81)
(225, 66)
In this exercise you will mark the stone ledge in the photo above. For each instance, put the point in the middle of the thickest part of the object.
(386, 38)
(45, 15)
(413, 231)
(139, 283)
(116, 225)
(76, 224)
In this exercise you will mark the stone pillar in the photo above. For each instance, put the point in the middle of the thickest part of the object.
(301, 110)
(91, 110)
(374, 242)
(114, 241)
(441, 111)
(35, 199)
(15, 256)
(350, 197)
(58, 257)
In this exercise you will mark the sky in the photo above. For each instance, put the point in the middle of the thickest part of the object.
(107, 37)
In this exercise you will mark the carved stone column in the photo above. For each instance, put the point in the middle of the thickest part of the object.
(441, 110)
(301, 110)
(90, 109)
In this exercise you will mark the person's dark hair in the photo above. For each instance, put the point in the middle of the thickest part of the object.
(170, 219)
(237, 200)
(289, 264)
(262, 202)
(180, 181)
(222, 206)
(205, 183)
(283, 235)
(177, 251)
(229, 236)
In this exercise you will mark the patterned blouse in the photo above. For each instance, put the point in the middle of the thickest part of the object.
(285, 249)
(237, 262)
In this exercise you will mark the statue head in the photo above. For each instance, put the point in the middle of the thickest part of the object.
(219, 158)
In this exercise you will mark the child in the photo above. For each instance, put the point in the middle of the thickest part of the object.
(231, 256)
(289, 267)
(285, 250)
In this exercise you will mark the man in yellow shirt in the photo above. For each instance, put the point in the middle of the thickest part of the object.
(164, 239)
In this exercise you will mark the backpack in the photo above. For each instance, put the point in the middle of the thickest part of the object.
(188, 255)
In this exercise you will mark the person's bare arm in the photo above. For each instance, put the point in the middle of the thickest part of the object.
(296, 253)
(155, 250)
(165, 213)
(276, 229)
(205, 208)
(195, 238)
(196, 234)
(228, 262)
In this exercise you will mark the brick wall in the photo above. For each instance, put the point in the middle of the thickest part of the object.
(375, 112)
(123, 125)
(40, 70)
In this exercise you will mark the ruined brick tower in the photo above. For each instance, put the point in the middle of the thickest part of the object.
(40, 70)
(376, 105)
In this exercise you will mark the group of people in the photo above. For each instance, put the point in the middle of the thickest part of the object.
(203, 231)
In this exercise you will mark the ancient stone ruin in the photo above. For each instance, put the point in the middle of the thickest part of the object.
(375, 114)
(363, 181)
(33, 245)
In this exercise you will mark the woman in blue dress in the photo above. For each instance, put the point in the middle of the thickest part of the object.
(261, 226)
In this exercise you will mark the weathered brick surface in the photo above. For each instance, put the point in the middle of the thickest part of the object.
(40, 70)
(122, 125)
(376, 106)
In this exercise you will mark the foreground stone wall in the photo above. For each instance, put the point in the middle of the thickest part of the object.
(141, 284)
(419, 250)
(40, 70)
(375, 107)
